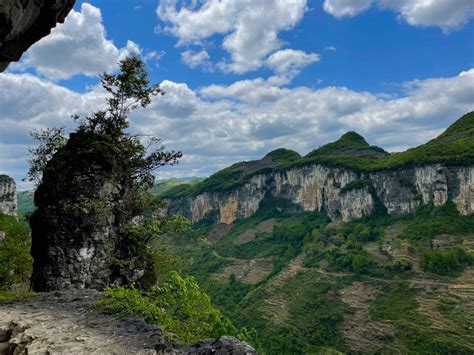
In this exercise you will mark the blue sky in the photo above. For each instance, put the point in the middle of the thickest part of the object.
(245, 77)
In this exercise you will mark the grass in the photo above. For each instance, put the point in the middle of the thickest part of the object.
(9, 296)
(399, 306)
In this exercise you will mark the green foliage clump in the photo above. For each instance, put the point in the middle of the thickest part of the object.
(137, 250)
(430, 221)
(15, 259)
(446, 262)
(178, 306)
(358, 261)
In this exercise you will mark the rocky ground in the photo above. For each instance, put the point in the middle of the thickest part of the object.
(69, 322)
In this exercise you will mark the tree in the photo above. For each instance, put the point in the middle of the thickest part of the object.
(129, 90)
(50, 141)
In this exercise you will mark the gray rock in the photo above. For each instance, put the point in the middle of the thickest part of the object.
(225, 345)
(321, 188)
(83, 207)
(8, 198)
(22, 23)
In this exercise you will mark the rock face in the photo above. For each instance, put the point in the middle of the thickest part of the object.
(22, 23)
(82, 209)
(69, 322)
(340, 192)
(8, 202)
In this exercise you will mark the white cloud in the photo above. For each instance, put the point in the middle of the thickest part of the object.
(250, 29)
(346, 8)
(288, 63)
(79, 46)
(196, 59)
(446, 14)
(221, 124)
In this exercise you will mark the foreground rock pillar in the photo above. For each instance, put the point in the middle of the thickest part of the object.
(81, 211)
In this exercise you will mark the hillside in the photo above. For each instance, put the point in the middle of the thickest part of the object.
(308, 285)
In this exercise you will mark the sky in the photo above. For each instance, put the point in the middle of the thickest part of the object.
(244, 77)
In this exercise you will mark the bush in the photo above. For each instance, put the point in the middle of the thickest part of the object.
(431, 221)
(15, 260)
(449, 263)
(178, 306)
(358, 261)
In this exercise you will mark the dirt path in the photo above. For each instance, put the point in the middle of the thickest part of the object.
(70, 323)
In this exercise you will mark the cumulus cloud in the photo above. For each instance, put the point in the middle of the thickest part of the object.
(79, 46)
(218, 125)
(288, 63)
(249, 29)
(346, 8)
(196, 59)
(446, 14)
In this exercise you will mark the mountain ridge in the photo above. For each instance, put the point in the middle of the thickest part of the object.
(347, 179)
(455, 146)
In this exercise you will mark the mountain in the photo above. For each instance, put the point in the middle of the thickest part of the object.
(347, 178)
(349, 249)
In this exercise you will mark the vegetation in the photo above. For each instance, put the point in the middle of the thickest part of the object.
(430, 221)
(15, 259)
(399, 305)
(178, 306)
(449, 262)
(295, 305)
(164, 185)
(26, 204)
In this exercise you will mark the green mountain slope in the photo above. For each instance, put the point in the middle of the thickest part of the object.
(307, 285)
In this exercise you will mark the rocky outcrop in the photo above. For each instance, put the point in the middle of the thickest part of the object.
(8, 201)
(23, 23)
(338, 191)
(69, 322)
(82, 208)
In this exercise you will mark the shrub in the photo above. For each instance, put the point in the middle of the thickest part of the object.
(178, 306)
(15, 259)
(449, 263)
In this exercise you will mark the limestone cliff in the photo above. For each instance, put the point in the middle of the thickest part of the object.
(346, 179)
(8, 201)
(340, 192)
